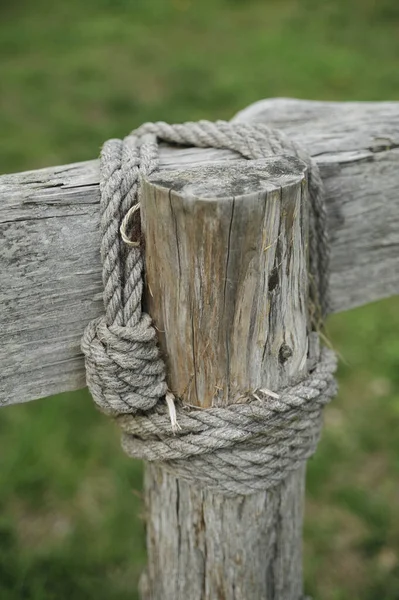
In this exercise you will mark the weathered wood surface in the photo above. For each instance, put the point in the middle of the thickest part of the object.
(50, 278)
(356, 145)
(245, 226)
(212, 263)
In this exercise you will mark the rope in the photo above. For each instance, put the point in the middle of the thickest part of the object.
(239, 449)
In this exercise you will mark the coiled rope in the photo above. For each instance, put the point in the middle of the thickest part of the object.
(242, 448)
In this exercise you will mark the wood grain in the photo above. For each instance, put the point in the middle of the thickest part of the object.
(50, 277)
(226, 265)
(356, 145)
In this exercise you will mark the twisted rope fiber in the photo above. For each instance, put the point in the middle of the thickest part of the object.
(244, 447)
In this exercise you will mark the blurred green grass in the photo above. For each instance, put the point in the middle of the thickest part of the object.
(74, 74)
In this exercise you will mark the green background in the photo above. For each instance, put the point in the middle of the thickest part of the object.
(76, 73)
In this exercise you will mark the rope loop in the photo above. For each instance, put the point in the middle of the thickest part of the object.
(242, 448)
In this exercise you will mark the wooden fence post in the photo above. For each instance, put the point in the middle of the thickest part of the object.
(226, 268)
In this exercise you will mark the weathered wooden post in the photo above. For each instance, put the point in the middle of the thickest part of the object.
(227, 286)
(226, 267)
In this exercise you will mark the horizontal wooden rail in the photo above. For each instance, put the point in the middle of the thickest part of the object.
(50, 278)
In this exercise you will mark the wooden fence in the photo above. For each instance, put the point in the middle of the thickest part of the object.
(201, 545)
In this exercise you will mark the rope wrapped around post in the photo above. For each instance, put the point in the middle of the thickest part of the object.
(240, 449)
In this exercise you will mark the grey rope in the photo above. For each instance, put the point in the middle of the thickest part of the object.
(235, 450)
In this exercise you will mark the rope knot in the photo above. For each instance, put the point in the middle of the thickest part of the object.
(125, 372)
(239, 449)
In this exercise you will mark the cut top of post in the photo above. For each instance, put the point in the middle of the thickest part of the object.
(226, 268)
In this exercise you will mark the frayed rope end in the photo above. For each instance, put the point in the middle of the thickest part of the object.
(170, 401)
